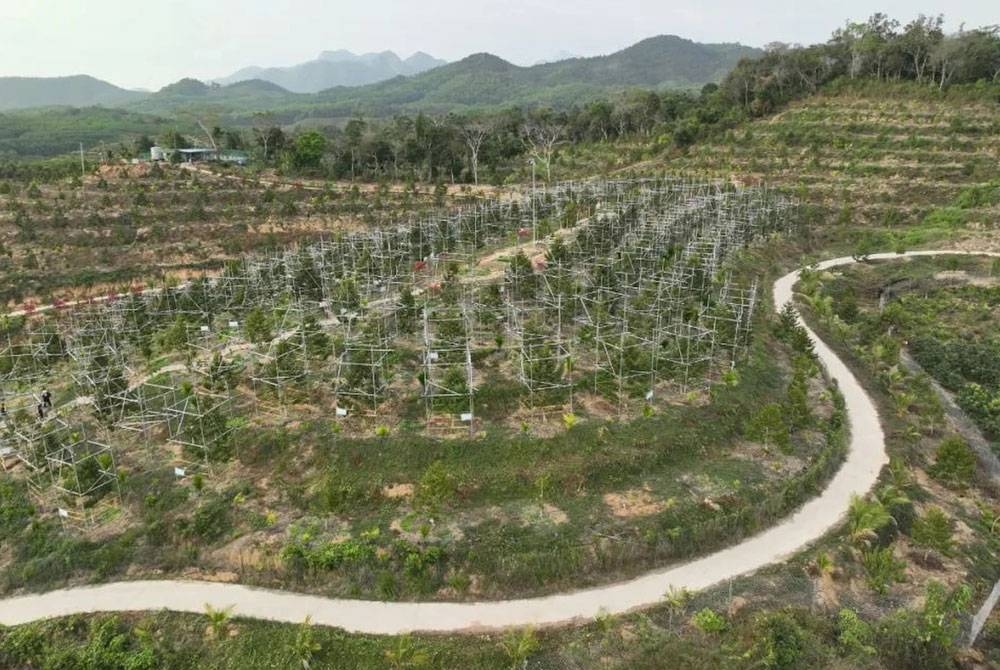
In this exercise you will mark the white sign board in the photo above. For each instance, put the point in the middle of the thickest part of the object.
(63, 513)
(204, 329)
(234, 324)
(341, 411)
(466, 417)
(179, 472)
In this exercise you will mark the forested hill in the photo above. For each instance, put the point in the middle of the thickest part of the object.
(483, 80)
(478, 81)
(75, 91)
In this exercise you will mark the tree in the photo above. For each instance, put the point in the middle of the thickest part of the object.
(354, 133)
(258, 326)
(475, 134)
(268, 134)
(541, 135)
(309, 150)
(918, 41)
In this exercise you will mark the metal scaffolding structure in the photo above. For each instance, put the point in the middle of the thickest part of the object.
(628, 289)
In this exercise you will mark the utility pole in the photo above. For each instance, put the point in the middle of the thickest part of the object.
(83, 167)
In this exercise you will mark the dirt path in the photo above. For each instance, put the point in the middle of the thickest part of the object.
(857, 476)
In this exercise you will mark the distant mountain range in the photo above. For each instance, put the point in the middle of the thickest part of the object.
(478, 82)
(337, 68)
(76, 91)
(484, 80)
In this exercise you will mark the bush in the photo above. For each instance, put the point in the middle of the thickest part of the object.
(924, 640)
(709, 621)
(954, 463)
(882, 568)
(933, 530)
(768, 426)
(781, 642)
(436, 486)
(854, 635)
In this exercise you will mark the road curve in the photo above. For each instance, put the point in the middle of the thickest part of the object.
(859, 473)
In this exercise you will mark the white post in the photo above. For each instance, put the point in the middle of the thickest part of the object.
(534, 220)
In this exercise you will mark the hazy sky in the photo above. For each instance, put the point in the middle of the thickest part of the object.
(149, 43)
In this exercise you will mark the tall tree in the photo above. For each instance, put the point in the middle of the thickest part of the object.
(475, 133)
(541, 135)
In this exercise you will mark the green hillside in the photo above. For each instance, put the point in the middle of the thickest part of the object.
(478, 81)
(54, 131)
(76, 91)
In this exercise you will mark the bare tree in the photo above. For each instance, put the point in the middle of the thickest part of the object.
(541, 136)
(475, 134)
(210, 135)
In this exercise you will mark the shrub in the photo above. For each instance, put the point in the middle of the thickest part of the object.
(924, 640)
(882, 568)
(709, 621)
(780, 642)
(854, 635)
(954, 463)
(436, 486)
(258, 326)
(768, 426)
(865, 518)
(933, 530)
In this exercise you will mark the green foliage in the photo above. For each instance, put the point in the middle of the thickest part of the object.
(983, 405)
(864, 519)
(107, 644)
(305, 549)
(854, 636)
(15, 509)
(768, 426)
(519, 645)
(309, 149)
(259, 326)
(709, 621)
(882, 568)
(436, 487)
(954, 463)
(934, 530)
(925, 639)
(306, 646)
(780, 642)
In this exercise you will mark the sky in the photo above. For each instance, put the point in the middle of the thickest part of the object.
(150, 43)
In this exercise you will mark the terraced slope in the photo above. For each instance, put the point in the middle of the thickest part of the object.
(134, 223)
(886, 172)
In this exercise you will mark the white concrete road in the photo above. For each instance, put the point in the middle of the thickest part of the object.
(857, 476)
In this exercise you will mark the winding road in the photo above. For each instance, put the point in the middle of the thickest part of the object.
(858, 474)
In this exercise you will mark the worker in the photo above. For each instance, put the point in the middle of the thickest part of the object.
(47, 399)
(41, 411)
